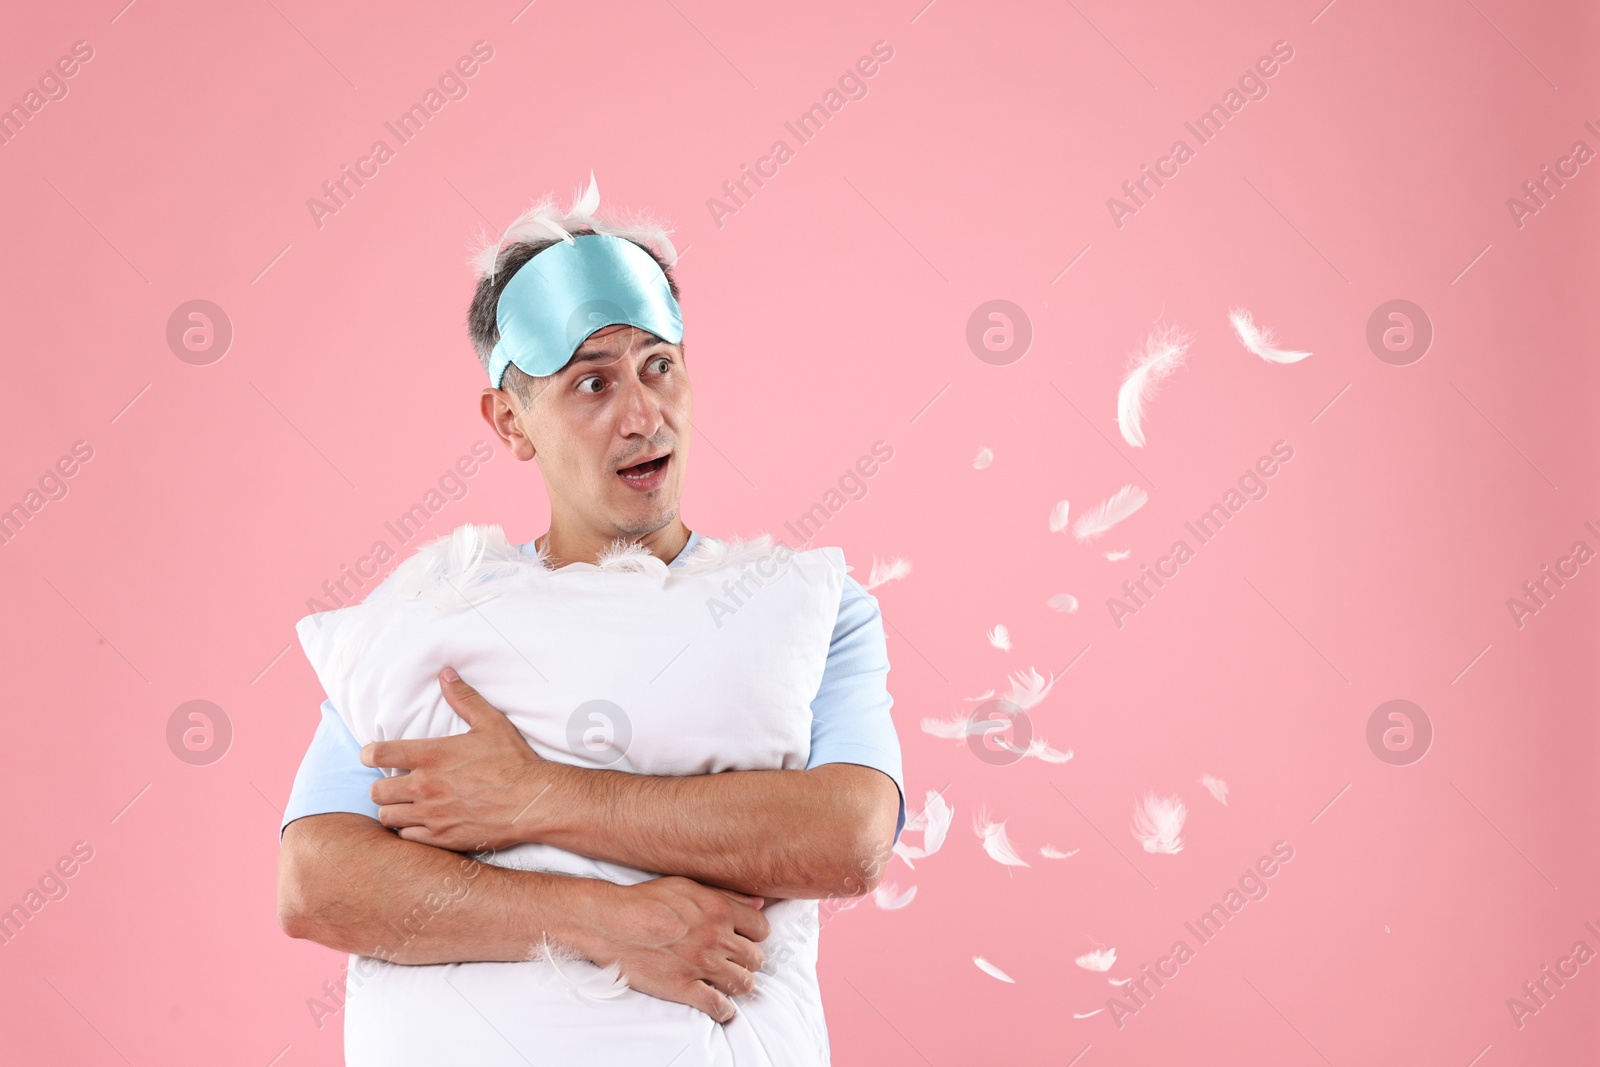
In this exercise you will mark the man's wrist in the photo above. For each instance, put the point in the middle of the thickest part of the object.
(553, 801)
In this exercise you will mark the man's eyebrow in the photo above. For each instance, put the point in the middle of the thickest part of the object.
(596, 355)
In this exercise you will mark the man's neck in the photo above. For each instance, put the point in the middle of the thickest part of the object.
(564, 546)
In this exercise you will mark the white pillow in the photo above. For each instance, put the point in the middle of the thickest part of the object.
(626, 664)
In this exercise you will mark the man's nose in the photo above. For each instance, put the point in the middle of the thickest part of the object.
(641, 410)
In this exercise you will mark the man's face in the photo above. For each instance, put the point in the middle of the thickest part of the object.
(610, 431)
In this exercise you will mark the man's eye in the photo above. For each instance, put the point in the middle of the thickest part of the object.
(587, 381)
(667, 360)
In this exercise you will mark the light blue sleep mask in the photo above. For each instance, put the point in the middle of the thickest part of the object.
(568, 291)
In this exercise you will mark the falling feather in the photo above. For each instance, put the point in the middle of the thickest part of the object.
(1063, 602)
(1218, 787)
(1163, 354)
(888, 897)
(887, 572)
(983, 459)
(987, 694)
(1039, 750)
(1050, 852)
(1259, 339)
(1087, 1014)
(1100, 959)
(995, 841)
(961, 727)
(1058, 516)
(1099, 519)
(1157, 821)
(1029, 687)
(990, 969)
(1000, 637)
(934, 823)
(1118, 981)
(1117, 554)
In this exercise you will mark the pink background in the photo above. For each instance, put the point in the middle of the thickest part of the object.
(829, 313)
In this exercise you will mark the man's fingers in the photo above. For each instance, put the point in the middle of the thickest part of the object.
(750, 922)
(402, 755)
(397, 789)
(710, 1000)
(468, 703)
(395, 816)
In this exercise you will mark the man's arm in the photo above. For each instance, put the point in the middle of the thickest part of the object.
(346, 882)
(824, 831)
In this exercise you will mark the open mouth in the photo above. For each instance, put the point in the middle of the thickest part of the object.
(647, 475)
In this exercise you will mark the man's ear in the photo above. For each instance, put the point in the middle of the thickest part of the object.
(500, 410)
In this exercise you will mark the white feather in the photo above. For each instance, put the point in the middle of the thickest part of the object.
(983, 459)
(544, 220)
(1259, 339)
(888, 897)
(1163, 353)
(1157, 821)
(1058, 516)
(1100, 959)
(1217, 786)
(990, 969)
(995, 841)
(1115, 508)
(1122, 553)
(1118, 981)
(985, 695)
(886, 572)
(1063, 602)
(1028, 688)
(960, 727)
(1050, 852)
(1087, 1014)
(1000, 637)
(604, 984)
(1039, 750)
(934, 822)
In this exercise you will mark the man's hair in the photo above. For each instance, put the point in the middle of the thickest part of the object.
(533, 231)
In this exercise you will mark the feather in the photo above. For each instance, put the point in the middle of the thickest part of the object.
(1086, 1014)
(1050, 852)
(1163, 353)
(1041, 751)
(1000, 637)
(987, 694)
(934, 822)
(1063, 602)
(1157, 821)
(1114, 509)
(1100, 959)
(1028, 688)
(995, 841)
(956, 729)
(886, 572)
(1118, 981)
(544, 220)
(983, 459)
(887, 896)
(990, 969)
(1121, 553)
(1058, 516)
(605, 984)
(1259, 339)
(1218, 787)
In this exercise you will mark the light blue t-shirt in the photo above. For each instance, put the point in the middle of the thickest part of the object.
(850, 720)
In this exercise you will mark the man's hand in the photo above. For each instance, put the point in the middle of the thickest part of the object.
(466, 792)
(680, 941)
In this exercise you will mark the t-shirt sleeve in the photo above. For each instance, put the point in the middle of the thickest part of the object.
(850, 715)
(331, 776)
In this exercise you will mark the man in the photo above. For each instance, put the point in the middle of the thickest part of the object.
(605, 411)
